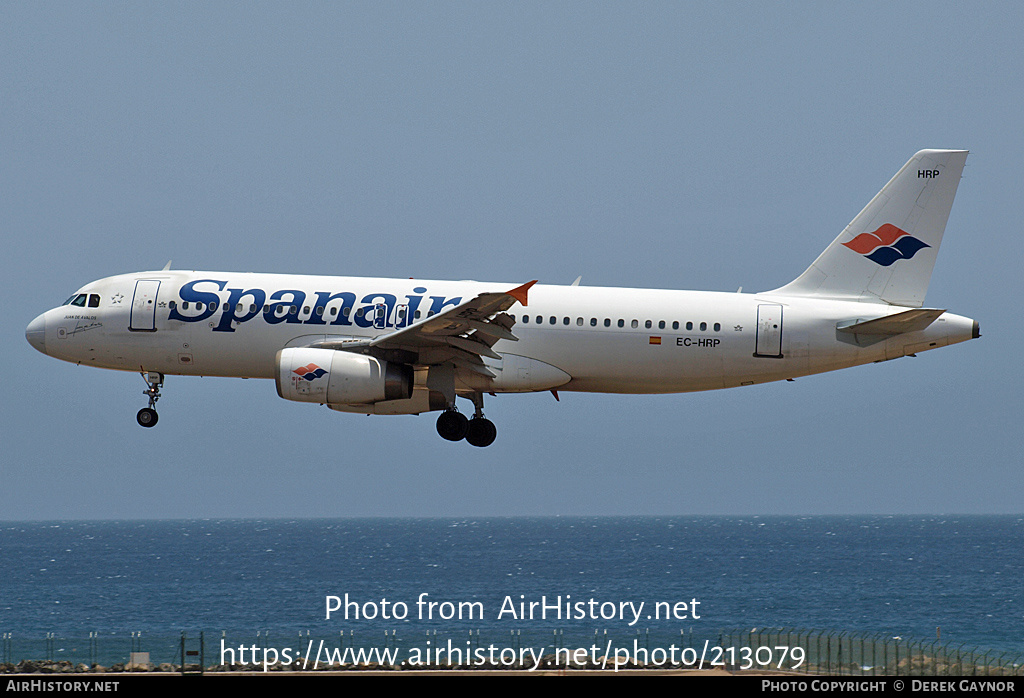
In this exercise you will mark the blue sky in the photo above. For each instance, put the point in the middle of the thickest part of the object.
(666, 145)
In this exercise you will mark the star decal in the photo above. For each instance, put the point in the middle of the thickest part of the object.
(117, 298)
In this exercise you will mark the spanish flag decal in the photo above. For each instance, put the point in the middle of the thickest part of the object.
(655, 340)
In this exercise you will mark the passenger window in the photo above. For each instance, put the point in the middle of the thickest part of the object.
(540, 320)
(593, 322)
(418, 312)
(675, 324)
(607, 322)
(526, 319)
(213, 306)
(634, 324)
(553, 319)
(346, 310)
(622, 323)
(94, 300)
(565, 321)
(689, 325)
(718, 327)
(579, 322)
(172, 305)
(647, 324)
(703, 326)
(661, 324)
(319, 310)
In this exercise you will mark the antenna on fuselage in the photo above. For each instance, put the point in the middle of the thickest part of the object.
(167, 266)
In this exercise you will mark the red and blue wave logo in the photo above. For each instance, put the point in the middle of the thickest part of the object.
(886, 245)
(310, 372)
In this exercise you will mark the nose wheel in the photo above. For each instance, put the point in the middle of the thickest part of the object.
(147, 416)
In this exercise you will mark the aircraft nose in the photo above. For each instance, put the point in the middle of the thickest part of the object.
(35, 333)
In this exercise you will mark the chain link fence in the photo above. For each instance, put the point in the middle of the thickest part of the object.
(789, 650)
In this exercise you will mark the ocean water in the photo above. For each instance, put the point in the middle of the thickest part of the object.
(888, 575)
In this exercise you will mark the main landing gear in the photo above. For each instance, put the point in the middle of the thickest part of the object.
(147, 416)
(478, 431)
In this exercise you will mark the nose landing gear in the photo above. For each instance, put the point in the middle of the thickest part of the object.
(147, 416)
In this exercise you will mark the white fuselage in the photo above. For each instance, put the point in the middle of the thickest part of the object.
(574, 338)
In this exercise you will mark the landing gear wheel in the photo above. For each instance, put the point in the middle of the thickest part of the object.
(452, 425)
(147, 417)
(481, 432)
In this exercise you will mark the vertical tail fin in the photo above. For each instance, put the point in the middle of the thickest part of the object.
(887, 253)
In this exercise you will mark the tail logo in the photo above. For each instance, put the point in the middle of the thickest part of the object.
(886, 245)
(310, 372)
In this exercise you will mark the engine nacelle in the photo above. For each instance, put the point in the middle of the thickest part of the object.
(339, 377)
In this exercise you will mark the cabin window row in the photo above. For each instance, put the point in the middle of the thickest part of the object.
(282, 310)
(634, 324)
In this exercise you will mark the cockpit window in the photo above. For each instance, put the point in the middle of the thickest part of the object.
(78, 299)
(94, 300)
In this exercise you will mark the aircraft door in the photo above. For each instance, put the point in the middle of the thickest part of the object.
(380, 316)
(769, 331)
(143, 317)
(401, 315)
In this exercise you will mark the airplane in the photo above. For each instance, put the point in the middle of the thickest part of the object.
(409, 346)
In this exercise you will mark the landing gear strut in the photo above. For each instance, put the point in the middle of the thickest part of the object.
(478, 431)
(147, 416)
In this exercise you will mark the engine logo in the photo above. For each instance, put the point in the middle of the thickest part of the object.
(310, 372)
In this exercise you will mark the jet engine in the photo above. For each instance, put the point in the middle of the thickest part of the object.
(339, 377)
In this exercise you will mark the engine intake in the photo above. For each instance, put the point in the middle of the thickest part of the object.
(334, 377)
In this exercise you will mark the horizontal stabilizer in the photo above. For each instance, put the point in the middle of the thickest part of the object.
(890, 325)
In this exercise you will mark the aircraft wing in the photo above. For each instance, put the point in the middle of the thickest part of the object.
(462, 335)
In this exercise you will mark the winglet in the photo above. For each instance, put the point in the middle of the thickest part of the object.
(519, 293)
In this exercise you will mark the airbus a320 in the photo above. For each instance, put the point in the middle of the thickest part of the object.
(408, 346)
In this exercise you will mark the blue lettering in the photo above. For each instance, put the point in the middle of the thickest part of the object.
(366, 319)
(259, 297)
(270, 313)
(278, 308)
(203, 299)
(414, 304)
(323, 298)
(440, 302)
